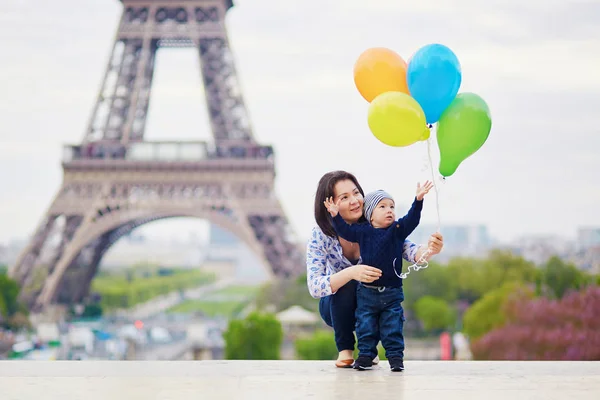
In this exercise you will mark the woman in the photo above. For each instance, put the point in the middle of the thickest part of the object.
(332, 263)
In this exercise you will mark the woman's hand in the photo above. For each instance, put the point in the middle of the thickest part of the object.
(434, 246)
(435, 243)
(364, 273)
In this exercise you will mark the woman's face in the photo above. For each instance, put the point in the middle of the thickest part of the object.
(351, 201)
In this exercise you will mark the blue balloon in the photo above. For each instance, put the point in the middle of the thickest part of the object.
(434, 76)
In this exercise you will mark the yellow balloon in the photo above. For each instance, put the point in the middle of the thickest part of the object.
(396, 119)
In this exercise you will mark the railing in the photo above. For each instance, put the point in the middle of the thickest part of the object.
(165, 151)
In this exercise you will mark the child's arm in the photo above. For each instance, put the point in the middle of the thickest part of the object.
(407, 224)
(346, 231)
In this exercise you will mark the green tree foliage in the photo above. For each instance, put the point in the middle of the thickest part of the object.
(434, 313)
(12, 313)
(476, 277)
(284, 293)
(435, 281)
(3, 308)
(319, 346)
(505, 266)
(488, 312)
(546, 329)
(9, 292)
(128, 289)
(559, 277)
(467, 279)
(92, 311)
(463, 281)
(257, 337)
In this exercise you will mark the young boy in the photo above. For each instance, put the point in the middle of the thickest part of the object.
(379, 312)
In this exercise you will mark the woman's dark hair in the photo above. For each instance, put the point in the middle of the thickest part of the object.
(325, 190)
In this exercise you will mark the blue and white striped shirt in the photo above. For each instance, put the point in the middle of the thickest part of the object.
(324, 257)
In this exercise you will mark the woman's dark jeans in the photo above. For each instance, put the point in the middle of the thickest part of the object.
(338, 311)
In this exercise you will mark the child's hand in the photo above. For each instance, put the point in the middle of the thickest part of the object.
(332, 207)
(423, 190)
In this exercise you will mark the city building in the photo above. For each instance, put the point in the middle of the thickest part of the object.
(459, 240)
(588, 237)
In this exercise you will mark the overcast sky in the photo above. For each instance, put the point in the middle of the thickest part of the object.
(535, 62)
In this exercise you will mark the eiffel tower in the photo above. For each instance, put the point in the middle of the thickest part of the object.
(115, 181)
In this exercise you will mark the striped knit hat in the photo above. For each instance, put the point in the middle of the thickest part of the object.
(371, 201)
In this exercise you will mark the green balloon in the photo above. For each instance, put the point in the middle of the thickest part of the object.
(462, 129)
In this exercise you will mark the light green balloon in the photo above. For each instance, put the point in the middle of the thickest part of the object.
(462, 129)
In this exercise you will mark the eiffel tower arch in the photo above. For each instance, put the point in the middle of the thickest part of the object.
(114, 181)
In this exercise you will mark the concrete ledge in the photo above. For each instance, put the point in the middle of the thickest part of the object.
(287, 380)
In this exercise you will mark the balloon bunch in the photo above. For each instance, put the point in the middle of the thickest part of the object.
(407, 98)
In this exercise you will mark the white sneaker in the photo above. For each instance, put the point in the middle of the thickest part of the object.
(376, 360)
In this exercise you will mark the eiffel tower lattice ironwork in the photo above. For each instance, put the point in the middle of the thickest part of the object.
(115, 181)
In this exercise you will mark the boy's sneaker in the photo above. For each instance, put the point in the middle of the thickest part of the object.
(396, 364)
(363, 363)
(376, 360)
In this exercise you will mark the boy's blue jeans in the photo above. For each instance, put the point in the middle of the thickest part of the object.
(379, 313)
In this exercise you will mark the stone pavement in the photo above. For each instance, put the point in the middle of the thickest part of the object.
(288, 380)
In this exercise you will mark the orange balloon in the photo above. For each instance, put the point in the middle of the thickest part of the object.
(379, 70)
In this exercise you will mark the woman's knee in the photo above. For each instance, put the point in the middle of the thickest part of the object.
(346, 294)
(325, 310)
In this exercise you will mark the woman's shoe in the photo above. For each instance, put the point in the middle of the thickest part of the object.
(344, 363)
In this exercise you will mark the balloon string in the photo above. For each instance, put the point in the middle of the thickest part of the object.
(422, 262)
(437, 194)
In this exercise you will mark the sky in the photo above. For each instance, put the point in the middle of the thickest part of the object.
(535, 63)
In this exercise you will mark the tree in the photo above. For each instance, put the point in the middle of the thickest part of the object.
(560, 277)
(435, 313)
(12, 313)
(3, 308)
(546, 329)
(257, 337)
(508, 267)
(477, 277)
(320, 346)
(435, 281)
(488, 312)
(468, 276)
(284, 293)
(93, 310)
(9, 291)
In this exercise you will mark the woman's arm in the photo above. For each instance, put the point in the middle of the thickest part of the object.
(342, 277)
(413, 252)
(420, 252)
(320, 284)
(410, 250)
(317, 279)
(360, 272)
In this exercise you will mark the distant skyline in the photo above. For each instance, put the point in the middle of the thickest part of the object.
(535, 64)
